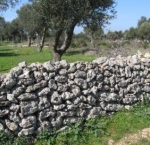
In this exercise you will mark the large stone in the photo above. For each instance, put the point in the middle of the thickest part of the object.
(45, 114)
(3, 112)
(36, 86)
(49, 66)
(11, 125)
(80, 74)
(43, 103)
(100, 60)
(63, 72)
(14, 117)
(14, 107)
(28, 131)
(27, 122)
(44, 92)
(90, 75)
(22, 64)
(59, 107)
(91, 100)
(67, 96)
(52, 84)
(81, 83)
(61, 79)
(29, 107)
(56, 98)
(18, 91)
(27, 96)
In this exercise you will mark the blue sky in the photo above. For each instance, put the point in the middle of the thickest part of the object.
(128, 14)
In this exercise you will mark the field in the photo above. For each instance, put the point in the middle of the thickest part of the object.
(125, 126)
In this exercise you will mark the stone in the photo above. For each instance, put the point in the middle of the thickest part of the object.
(100, 60)
(11, 125)
(45, 114)
(44, 91)
(59, 107)
(14, 107)
(56, 98)
(58, 122)
(52, 84)
(4, 103)
(90, 75)
(22, 64)
(28, 107)
(62, 87)
(29, 121)
(10, 83)
(129, 99)
(18, 91)
(72, 68)
(81, 83)
(72, 107)
(43, 103)
(63, 72)
(95, 111)
(49, 66)
(36, 86)
(28, 131)
(67, 96)
(91, 100)
(70, 120)
(27, 96)
(61, 79)
(45, 125)
(14, 117)
(3, 112)
(80, 74)
(3, 97)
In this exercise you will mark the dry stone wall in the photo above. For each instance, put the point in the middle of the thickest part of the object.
(43, 96)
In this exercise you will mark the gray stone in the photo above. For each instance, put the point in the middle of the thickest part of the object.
(38, 76)
(36, 86)
(3, 112)
(14, 107)
(45, 114)
(62, 87)
(72, 68)
(129, 99)
(29, 107)
(11, 125)
(44, 92)
(91, 100)
(58, 122)
(3, 98)
(10, 83)
(84, 106)
(81, 83)
(22, 64)
(70, 120)
(45, 125)
(72, 107)
(18, 91)
(80, 74)
(100, 60)
(27, 96)
(90, 75)
(52, 84)
(61, 79)
(63, 72)
(27, 122)
(56, 98)
(59, 107)
(49, 66)
(75, 90)
(43, 103)
(4, 103)
(95, 111)
(28, 131)
(14, 117)
(67, 96)
(52, 75)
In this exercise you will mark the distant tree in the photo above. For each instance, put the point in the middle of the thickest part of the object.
(63, 15)
(94, 32)
(4, 4)
(144, 31)
(141, 21)
(131, 33)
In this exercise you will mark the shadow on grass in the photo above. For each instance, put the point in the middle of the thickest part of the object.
(8, 54)
(75, 52)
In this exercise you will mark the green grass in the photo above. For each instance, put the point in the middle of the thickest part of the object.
(11, 56)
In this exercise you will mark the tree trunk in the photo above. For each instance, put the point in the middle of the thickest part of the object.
(41, 44)
(29, 41)
(57, 56)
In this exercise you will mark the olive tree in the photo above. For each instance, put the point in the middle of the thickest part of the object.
(4, 4)
(63, 16)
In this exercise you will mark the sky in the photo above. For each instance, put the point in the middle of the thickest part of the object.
(128, 14)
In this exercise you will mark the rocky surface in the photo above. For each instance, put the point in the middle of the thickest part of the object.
(42, 96)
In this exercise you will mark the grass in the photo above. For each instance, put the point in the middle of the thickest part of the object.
(11, 56)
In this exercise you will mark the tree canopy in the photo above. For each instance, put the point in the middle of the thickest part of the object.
(62, 16)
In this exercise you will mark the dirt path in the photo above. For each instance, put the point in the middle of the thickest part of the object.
(130, 139)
